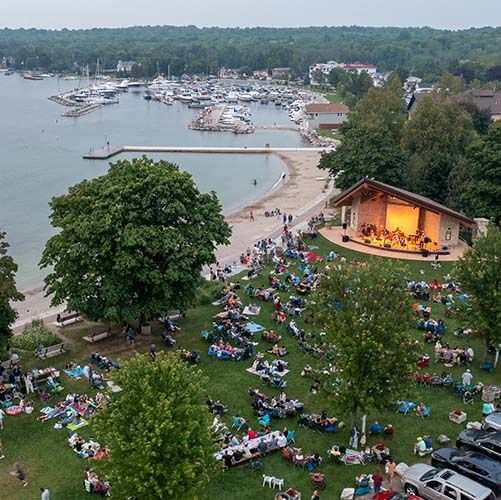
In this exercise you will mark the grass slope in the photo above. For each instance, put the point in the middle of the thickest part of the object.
(49, 461)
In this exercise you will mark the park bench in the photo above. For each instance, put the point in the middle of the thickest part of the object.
(96, 337)
(68, 319)
(51, 351)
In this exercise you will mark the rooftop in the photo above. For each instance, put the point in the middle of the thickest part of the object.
(327, 108)
(345, 197)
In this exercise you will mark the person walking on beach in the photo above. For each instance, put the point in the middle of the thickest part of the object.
(251, 216)
(18, 472)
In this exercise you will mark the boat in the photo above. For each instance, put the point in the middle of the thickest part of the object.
(8, 73)
(29, 76)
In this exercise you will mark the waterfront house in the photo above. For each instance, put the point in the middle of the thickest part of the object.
(326, 116)
(125, 66)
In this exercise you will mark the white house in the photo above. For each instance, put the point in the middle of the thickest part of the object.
(327, 67)
(125, 66)
(326, 116)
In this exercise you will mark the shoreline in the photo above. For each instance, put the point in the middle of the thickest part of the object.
(300, 193)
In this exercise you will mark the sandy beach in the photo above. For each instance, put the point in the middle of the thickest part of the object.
(302, 193)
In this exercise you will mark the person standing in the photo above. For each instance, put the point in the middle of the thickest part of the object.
(390, 471)
(18, 472)
(467, 377)
(1, 450)
(378, 481)
(28, 383)
(354, 437)
(251, 216)
(44, 494)
(315, 495)
(2, 415)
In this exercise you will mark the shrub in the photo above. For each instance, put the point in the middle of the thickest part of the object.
(33, 335)
(208, 293)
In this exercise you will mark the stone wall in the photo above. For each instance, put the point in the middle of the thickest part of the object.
(372, 211)
(448, 224)
(430, 224)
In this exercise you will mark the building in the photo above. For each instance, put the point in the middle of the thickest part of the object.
(260, 74)
(327, 67)
(125, 66)
(485, 99)
(325, 116)
(378, 214)
(281, 73)
(227, 73)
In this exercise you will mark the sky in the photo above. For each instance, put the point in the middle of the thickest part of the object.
(57, 14)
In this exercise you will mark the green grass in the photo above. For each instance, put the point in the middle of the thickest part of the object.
(331, 134)
(50, 463)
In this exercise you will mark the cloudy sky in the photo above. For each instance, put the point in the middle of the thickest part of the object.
(452, 14)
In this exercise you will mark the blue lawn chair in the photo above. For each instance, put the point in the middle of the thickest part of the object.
(265, 419)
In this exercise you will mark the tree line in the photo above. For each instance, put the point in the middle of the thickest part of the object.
(426, 52)
(449, 150)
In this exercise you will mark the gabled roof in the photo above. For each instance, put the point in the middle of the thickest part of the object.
(326, 108)
(345, 198)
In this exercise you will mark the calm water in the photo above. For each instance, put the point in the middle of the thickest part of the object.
(42, 155)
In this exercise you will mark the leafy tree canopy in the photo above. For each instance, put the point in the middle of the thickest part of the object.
(479, 273)
(132, 242)
(158, 430)
(8, 291)
(435, 139)
(370, 144)
(480, 190)
(366, 314)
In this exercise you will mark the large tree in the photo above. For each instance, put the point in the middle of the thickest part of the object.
(8, 291)
(479, 190)
(158, 430)
(366, 313)
(370, 144)
(435, 138)
(479, 274)
(133, 242)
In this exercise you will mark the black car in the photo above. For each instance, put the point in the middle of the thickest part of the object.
(488, 443)
(481, 468)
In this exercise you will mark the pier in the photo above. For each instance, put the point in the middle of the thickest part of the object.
(110, 151)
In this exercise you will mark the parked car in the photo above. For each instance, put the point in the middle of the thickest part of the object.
(477, 466)
(394, 495)
(445, 484)
(488, 443)
(492, 422)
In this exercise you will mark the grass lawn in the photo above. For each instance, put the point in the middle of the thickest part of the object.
(49, 461)
(331, 134)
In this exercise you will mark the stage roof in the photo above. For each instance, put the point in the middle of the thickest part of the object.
(416, 199)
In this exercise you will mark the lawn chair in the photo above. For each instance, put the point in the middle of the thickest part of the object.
(265, 420)
(237, 423)
(291, 436)
(468, 398)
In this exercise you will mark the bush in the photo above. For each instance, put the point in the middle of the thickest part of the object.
(34, 335)
(208, 292)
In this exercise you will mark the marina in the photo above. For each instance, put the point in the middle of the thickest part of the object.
(43, 154)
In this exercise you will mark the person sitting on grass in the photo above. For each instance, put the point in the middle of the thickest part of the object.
(375, 428)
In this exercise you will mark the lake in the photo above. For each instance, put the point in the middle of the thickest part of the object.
(42, 155)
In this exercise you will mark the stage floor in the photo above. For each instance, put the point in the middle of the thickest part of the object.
(335, 235)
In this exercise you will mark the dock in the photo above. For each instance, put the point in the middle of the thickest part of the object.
(110, 151)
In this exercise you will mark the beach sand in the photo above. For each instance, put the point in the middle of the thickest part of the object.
(302, 193)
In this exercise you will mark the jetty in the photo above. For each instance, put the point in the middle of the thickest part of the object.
(110, 151)
(83, 110)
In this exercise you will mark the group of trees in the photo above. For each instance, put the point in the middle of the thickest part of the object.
(448, 150)
(425, 51)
